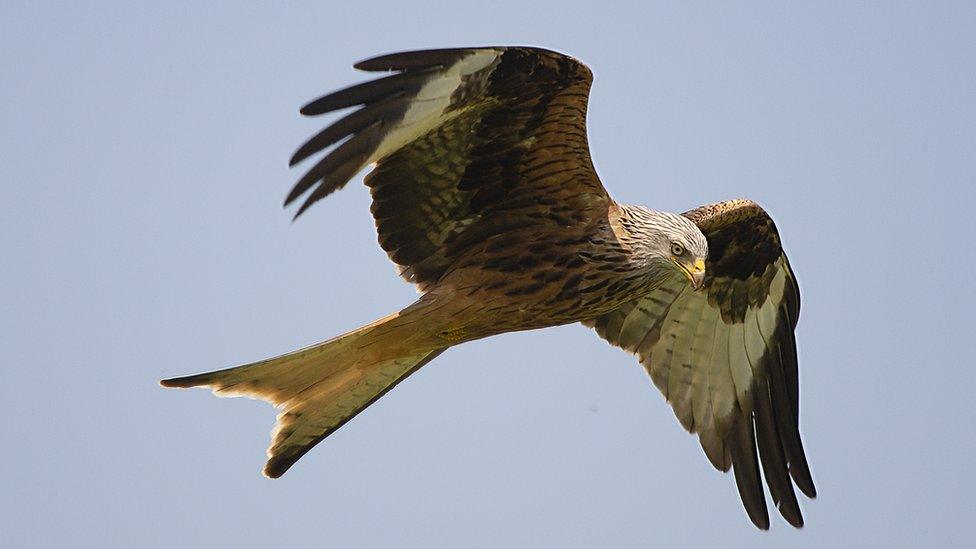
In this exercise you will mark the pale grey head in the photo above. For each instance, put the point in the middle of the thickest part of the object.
(668, 243)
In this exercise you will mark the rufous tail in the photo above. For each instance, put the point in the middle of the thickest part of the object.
(321, 387)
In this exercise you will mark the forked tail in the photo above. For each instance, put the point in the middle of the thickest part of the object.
(320, 388)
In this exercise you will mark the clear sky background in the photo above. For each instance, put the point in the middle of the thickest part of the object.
(144, 161)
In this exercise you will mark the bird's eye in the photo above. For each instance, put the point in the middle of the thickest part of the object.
(677, 249)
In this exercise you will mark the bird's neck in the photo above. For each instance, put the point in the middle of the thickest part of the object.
(633, 228)
(636, 235)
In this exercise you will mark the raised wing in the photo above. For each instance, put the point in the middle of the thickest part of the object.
(725, 358)
(468, 143)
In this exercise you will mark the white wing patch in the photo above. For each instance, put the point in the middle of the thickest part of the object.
(739, 366)
(429, 108)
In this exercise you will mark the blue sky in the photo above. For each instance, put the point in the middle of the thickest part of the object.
(145, 160)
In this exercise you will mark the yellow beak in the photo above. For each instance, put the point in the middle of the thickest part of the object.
(695, 273)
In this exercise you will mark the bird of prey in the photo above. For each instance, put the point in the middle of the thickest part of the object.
(485, 197)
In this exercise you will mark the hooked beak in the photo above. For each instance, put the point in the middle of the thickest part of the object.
(695, 273)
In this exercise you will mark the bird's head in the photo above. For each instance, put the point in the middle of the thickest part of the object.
(673, 244)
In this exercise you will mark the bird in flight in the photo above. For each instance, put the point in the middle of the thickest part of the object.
(485, 197)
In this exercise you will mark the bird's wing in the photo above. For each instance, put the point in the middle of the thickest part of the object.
(725, 358)
(468, 144)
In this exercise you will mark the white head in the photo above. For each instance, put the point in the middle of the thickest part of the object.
(669, 243)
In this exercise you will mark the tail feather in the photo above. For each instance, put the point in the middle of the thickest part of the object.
(275, 380)
(318, 388)
(308, 422)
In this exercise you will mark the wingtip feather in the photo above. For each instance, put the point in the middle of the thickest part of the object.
(805, 483)
(184, 382)
(412, 60)
(272, 470)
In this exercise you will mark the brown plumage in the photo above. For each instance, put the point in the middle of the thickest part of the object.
(485, 197)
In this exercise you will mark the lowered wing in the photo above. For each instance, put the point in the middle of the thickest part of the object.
(725, 358)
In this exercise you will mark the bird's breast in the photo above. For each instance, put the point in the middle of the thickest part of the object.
(528, 284)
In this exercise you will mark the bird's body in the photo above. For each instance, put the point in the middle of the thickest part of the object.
(485, 197)
(523, 280)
